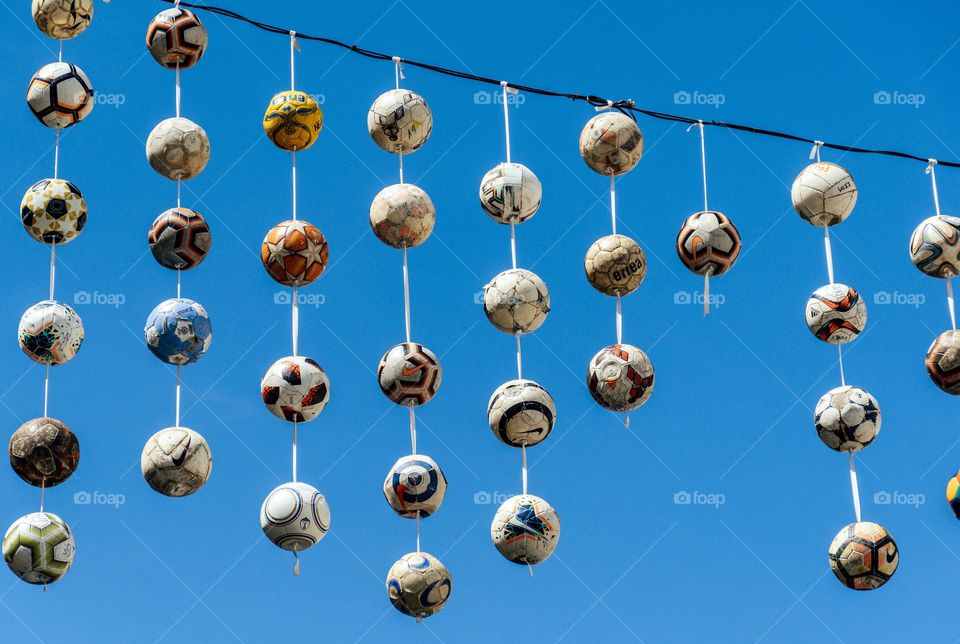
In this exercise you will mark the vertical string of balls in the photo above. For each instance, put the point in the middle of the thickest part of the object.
(39, 547)
(708, 243)
(295, 515)
(620, 377)
(521, 413)
(176, 461)
(402, 216)
(863, 555)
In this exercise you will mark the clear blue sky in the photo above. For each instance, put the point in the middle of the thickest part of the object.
(732, 411)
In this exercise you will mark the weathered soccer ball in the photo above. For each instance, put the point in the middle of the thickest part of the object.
(620, 377)
(400, 121)
(176, 461)
(836, 314)
(176, 38)
(419, 585)
(295, 516)
(824, 194)
(935, 246)
(611, 143)
(708, 243)
(50, 333)
(178, 149)
(62, 19)
(295, 389)
(943, 362)
(39, 548)
(521, 412)
(615, 265)
(402, 215)
(415, 485)
(516, 301)
(178, 331)
(863, 556)
(53, 211)
(294, 253)
(510, 193)
(179, 239)
(60, 95)
(525, 529)
(293, 120)
(44, 452)
(409, 374)
(847, 418)
(953, 494)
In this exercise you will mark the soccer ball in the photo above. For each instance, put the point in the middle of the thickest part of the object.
(620, 377)
(611, 143)
(176, 461)
(178, 148)
(179, 239)
(836, 313)
(295, 516)
(615, 265)
(402, 215)
(935, 246)
(824, 194)
(293, 120)
(943, 362)
(708, 243)
(178, 331)
(294, 253)
(60, 95)
(516, 301)
(295, 389)
(419, 585)
(847, 418)
(44, 452)
(409, 374)
(400, 121)
(62, 19)
(521, 412)
(510, 193)
(863, 556)
(39, 548)
(415, 485)
(953, 493)
(525, 529)
(50, 333)
(176, 38)
(53, 211)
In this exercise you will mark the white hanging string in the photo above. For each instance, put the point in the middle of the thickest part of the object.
(46, 389)
(56, 155)
(506, 114)
(294, 46)
(177, 404)
(60, 57)
(406, 294)
(931, 170)
(418, 530)
(619, 321)
(855, 488)
(294, 453)
(43, 489)
(828, 248)
(413, 430)
(519, 357)
(843, 378)
(950, 304)
(523, 466)
(703, 159)
(513, 244)
(613, 202)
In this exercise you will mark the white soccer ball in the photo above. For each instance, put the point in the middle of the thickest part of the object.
(400, 121)
(50, 333)
(620, 377)
(415, 485)
(510, 193)
(176, 461)
(295, 389)
(516, 301)
(847, 418)
(419, 585)
(402, 215)
(611, 143)
(295, 516)
(824, 194)
(935, 246)
(521, 412)
(526, 529)
(836, 314)
(60, 95)
(615, 265)
(178, 148)
(62, 19)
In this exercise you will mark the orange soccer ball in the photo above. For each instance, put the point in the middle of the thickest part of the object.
(294, 253)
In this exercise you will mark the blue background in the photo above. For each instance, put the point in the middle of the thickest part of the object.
(732, 410)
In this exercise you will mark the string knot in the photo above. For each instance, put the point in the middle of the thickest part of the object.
(399, 63)
(815, 150)
(930, 164)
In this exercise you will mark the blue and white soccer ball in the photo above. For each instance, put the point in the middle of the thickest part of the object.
(295, 516)
(419, 585)
(415, 485)
(525, 529)
(178, 331)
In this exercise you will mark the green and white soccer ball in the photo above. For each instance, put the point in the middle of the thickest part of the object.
(176, 461)
(39, 548)
(62, 19)
(178, 148)
(847, 418)
(526, 529)
(824, 194)
(402, 215)
(521, 412)
(400, 121)
(50, 333)
(419, 585)
(615, 265)
(516, 301)
(510, 193)
(295, 516)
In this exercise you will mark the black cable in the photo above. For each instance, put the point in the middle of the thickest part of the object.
(624, 106)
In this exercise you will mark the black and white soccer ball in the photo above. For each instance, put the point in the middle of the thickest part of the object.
(521, 412)
(516, 301)
(176, 461)
(847, 418)
(60, 95)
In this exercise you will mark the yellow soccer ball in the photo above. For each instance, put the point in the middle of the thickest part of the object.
(293, 120)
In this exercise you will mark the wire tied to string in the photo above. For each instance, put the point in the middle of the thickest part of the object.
(706, 208)
(931, 169)
(294, 47)
(815, 150)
